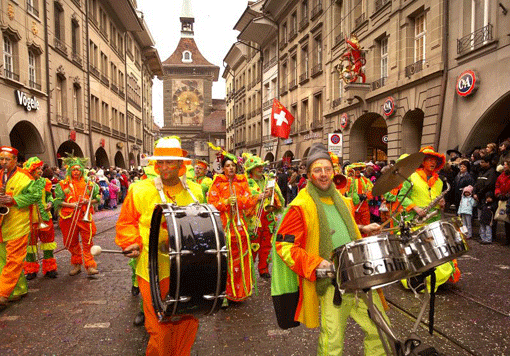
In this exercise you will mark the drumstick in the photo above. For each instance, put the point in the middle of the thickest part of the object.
(97, 250)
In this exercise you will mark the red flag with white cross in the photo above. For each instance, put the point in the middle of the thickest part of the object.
(281, 119)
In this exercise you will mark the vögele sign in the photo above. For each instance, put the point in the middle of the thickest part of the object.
(23, 100)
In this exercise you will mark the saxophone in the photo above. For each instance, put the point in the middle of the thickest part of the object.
(4, 210)
(420, 220)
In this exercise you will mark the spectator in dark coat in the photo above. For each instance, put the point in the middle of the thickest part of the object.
(282, 180)
(502, 193)
(463, 179)
(486, 181)
(475, 164)
(504, 154)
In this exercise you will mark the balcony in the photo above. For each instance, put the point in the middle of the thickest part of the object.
(62, 120)
(122, 135)
(115, 132)
(317, 10)
(303, 77)
(121, 93)
(34, 85)
(339, 39)
(94, 71)
(11, 75)
(239, 144)
(379, 83)
(106, 128)
(76, 58)
(316, 70)
(267, 104)
(292, 34)
(316, 124)
(283, 90)
(248, 116)
(129, 53)
(359, 20)
(413, 68)
(138, 141)
(293, 84)
(96, 125)
(336, 102)
(60, 45)
(104, 32)
(32, 10)
(271, 63)
(254, 83)
(105, 80)
(303, 24)
(475, 40)
(379, 4)
(253, 142)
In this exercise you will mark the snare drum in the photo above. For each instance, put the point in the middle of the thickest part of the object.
(435, 244)
(370, 262)
(198, 260)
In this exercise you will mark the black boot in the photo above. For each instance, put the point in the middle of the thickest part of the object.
(51, 274)
(135, 291)
(30, 276)
(139, 319)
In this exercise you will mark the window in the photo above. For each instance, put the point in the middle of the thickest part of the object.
(304, 62)
(8, 62)
(317, 110)
(294, 69)
(32, 76)
(420, 32)
(75, 38)
(60, 98)
(120, 42)
(293, 23)
(59, 21)
(304, 115)
(33, 7)
(304, 10)
(284, 32)
(76, 104)
(105, 120)
(384, 57)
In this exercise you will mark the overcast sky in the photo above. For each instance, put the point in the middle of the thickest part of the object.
(214, 35)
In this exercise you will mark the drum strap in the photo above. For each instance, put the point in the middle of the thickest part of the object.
(159, 186)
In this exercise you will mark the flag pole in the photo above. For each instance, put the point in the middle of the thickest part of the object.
(277, 149)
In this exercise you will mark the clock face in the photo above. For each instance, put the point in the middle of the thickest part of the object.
(188, 102)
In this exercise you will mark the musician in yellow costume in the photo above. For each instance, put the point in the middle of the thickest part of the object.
(262, 224)
(133, 227)
(200, 176)
(426, 186)
(15, 225)
(42, 224)
(72, 196)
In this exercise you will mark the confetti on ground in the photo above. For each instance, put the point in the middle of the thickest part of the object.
(97, 326)
(503, 266)
(9, 318)
(277, 332)
(96, 302)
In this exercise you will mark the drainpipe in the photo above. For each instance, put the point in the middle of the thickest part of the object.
(92, 156)
(444, 80)
(48, 106)
(126, 117)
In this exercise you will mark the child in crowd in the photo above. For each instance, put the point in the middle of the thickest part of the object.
(467, 203)
(486, 218)
(113, 188)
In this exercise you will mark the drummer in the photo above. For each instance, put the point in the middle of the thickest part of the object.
(422, 187)
(318, 221)
(133, 227)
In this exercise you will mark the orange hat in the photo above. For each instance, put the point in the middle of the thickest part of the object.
(201, 163)
(429, 151)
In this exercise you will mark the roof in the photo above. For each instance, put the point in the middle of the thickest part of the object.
(218, 104)
(215, 122)
(187, 44)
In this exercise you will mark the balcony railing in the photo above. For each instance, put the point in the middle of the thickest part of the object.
(239, 144)
(34, 85)
(96, 125)
(475, 39)
(138, 141)
(303, 23)
(283, 90)
(114, 87)
(317, 10)
(60, 45)
(76, 58)
(248, 115)
(131, 138)
(93, 70)
(270, 63)
(414, 68)
(94, 21)
(337, 102)
(79, 125)
(32, 10)
(316, 69)
(292, 34)
(303, 77)
(293, 84)
(121, 93)
(11, 75)
(379, 83)
(359, 20)
(267, 104)
(379, 4)
(106, 128)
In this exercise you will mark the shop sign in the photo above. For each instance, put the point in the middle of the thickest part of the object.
(28, 103)
(312, 135)
(467, 83)
(102, 142)
(344, 121)
(288, 141)
(335, 142)
(385, 139)
(389, 106)
(120, 144)
(72, 135)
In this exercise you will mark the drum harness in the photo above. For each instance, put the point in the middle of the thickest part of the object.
(159, 186)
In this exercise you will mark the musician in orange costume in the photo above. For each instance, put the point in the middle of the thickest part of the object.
(72, 196)
(230, 194)
(359, 189)
(133, 228)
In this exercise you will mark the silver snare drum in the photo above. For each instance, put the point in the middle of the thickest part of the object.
(371, 262)
(435, 244)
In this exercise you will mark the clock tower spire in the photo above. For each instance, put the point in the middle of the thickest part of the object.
(187, 19)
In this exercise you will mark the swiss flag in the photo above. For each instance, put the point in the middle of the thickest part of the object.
(281, 119)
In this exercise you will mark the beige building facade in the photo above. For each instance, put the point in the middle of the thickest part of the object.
(94, 80)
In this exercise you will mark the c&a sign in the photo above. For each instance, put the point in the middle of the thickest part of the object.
(389, 106)
(467, 83)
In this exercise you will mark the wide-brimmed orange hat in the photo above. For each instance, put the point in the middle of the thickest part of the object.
(429, 151)
(169, 149)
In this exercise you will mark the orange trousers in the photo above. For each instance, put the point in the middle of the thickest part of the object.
(172, 338)
(72, 243)
(12, 254)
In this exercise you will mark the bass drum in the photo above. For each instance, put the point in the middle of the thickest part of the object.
(370, 262)
(198, 260)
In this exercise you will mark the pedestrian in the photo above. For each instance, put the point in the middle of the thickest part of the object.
(462, 180)
(492, 153)
(72, 197)
(175, 337)
(231, 195)
(488, 207)
(485, 182)
(504, 154)
(42, 224)
(201, 178)
(318, 221)
(282, 180)
(466, 205)
(113, 190)
(15, 201)
(502, 193)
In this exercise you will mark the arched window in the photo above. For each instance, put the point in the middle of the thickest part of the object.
(186, 57)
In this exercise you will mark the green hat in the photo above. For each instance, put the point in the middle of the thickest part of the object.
(70, 161)
(252, 161)
(32, 163)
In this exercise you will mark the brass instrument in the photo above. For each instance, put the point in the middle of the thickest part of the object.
(233, 192)
(42, 225)
(433, 203)
(86, 218)
(340, 180)
(4, 209)
(74, 218)
(271, 207)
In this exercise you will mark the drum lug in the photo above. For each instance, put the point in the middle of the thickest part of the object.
(183, 252)
(212, 297)
(203, 214)
(181, 300)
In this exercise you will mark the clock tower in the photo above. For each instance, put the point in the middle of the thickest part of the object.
(187, 86)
